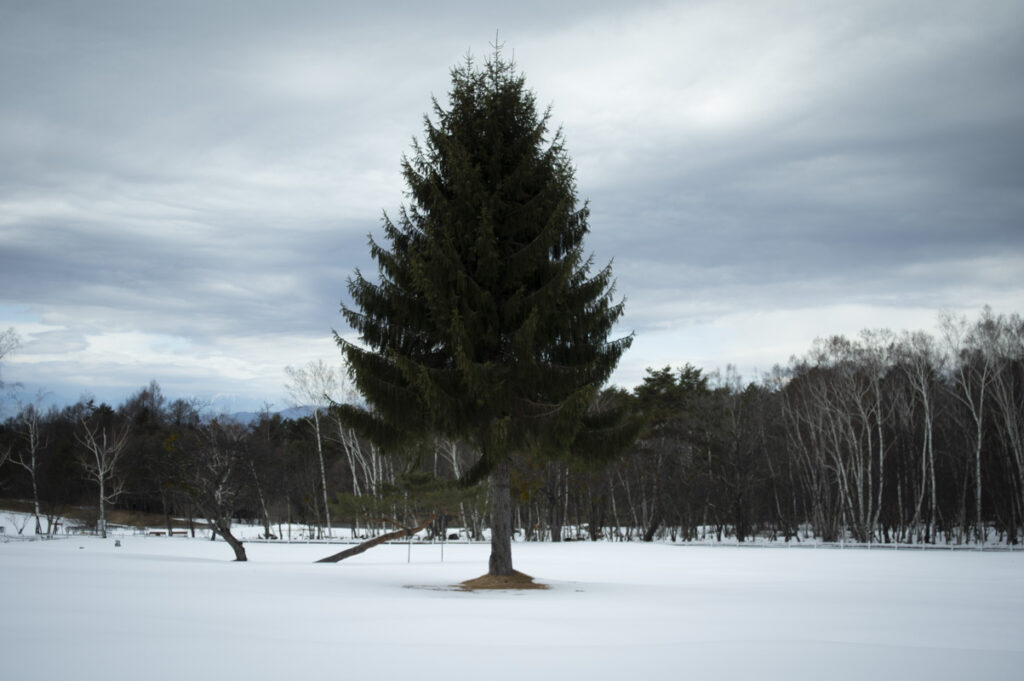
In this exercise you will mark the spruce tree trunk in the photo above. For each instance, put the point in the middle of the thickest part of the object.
(501, 522)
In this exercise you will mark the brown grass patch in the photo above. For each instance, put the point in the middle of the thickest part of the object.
(517, 580)
(88, 515)
(16, 505)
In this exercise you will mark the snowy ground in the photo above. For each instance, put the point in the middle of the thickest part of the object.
(176, 608)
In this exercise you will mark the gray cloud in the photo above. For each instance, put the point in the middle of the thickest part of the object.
(200, 178)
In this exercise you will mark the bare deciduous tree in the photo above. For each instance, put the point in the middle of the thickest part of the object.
(29, 456)
(9, 341)
(972, 375)
(216, 475)
(313, 386)
(1001, 340)
(105, 444)
(922, 363)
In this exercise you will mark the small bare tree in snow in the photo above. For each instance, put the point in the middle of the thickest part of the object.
(29, 456)
(313, 386)
(214, 473)
(105, 444)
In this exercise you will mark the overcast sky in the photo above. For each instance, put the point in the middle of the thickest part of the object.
(186, 186)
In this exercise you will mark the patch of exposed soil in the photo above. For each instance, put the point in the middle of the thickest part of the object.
(517, 580)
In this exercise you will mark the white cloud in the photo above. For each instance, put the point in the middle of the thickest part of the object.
(756, 340)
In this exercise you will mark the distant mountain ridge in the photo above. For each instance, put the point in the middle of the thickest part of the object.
(250, 417)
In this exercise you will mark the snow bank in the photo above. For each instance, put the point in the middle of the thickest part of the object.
(177, 608)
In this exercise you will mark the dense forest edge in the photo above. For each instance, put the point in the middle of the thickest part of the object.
(889, 438)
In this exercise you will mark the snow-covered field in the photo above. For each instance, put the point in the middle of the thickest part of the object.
(177, 608)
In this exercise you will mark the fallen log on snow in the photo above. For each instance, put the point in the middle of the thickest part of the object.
(370, 543)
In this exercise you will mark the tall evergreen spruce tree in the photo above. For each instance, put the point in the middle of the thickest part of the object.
(487, 322)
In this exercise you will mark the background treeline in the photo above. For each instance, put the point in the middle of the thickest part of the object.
(882, 438)
(153, 456)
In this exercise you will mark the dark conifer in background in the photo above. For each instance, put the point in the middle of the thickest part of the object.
(488, 322)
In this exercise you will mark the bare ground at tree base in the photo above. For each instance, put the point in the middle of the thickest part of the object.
(517, 580)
